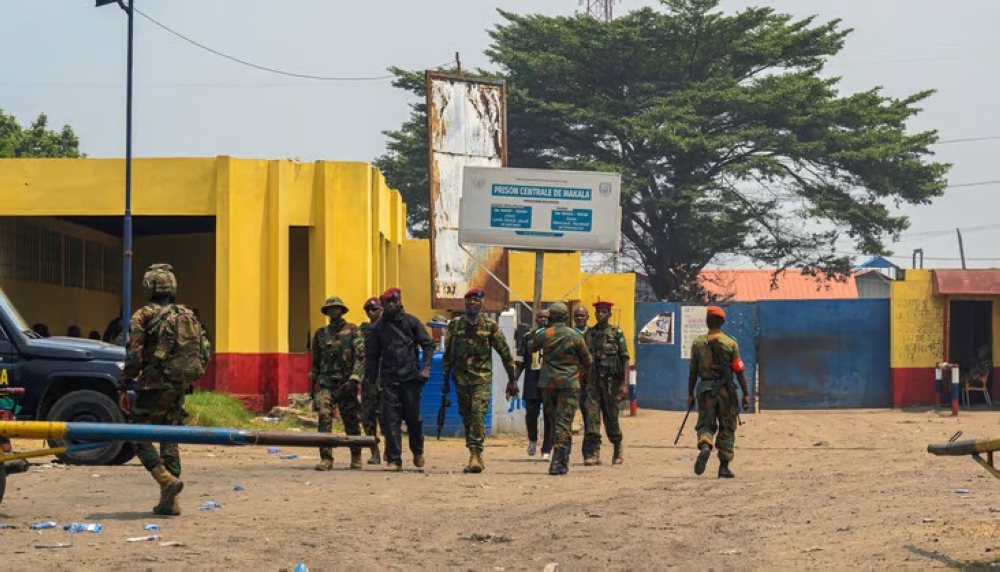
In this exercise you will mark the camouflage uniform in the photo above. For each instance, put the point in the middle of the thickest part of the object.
(338, 363)
(607, 346)
(566, 356)
(371, 405)
(467, 355)
(718, 413)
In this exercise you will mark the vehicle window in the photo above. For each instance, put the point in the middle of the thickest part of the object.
(9, 309)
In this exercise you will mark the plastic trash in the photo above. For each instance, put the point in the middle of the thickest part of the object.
(4, 525)
(144, 538)
(962, 491)
(83, 527)
(210, 505)
(43, 525)
(151, 527)
(272, 450)
(290, 456)
(239, 488)
(301, 568)
(57, 545)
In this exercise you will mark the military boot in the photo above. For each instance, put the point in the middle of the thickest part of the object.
(326, 460)
(170, 487)
(554, 463)
(563, 462)
(705, 451)
(618, 457)
(356, 459)
(475, 463)
(724, 472)
(376, 458)
(592, 459)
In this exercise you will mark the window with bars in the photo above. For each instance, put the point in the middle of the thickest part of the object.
(26, 234)
(72, 262)
(6, 247)
(93, 265)
(51, 257)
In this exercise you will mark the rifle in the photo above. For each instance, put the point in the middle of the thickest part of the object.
(725, 379)
(445, 403)
(683, 423)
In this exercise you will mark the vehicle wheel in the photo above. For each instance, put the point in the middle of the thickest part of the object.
(125, 455)
(86, 406)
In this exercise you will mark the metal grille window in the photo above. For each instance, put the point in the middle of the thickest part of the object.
(93, 265)
(73, 262)
(26, 233)
(6, 247)
(112, 270)
(51, 257)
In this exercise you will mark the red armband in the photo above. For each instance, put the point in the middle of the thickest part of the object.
(738, 365)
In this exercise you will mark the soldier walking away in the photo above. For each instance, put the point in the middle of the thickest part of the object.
(371, 388)
(469, 361)
(566, 356)
(715, 357)
(338, 362)
(392, 357)
(530, 363)
(166, 352)
(606, 385)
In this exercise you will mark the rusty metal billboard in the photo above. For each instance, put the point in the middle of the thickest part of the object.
(466, 125)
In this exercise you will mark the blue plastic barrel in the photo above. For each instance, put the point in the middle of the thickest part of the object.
(431, 402)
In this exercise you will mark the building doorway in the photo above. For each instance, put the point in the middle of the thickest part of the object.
(970, 335)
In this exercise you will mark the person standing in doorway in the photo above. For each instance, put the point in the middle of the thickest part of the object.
(394, 345)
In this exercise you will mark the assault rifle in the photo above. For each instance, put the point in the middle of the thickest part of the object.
(445, 402)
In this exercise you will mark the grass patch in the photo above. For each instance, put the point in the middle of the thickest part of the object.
(211, 409)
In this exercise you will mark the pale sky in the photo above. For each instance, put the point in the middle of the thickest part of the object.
(66, 58)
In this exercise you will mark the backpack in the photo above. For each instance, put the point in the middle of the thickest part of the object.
(182, 349)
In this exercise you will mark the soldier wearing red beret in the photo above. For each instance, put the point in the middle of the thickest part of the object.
(606, 385)
(715, 357)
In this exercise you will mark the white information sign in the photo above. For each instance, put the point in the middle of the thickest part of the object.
(537, 209)
(692, 326)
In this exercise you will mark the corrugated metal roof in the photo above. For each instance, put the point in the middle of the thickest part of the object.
(968, 282)
(752, 285)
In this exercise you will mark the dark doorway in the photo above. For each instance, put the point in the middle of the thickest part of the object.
(970, 335)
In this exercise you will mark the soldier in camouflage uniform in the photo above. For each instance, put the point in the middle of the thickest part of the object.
(606, 385)
(566, 356)
(469, 361)
(716, 413)
(338, 362)
(159, 401)
(371, 405)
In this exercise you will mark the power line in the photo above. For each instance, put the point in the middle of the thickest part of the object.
(968, 139)
(260, 67)
(975, 184)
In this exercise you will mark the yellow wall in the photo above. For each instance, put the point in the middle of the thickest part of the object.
(560, 275)
(415, 266)
(617, 288)
(917, 337)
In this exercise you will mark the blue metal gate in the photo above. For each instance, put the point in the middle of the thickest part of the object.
(661, 372)
(823, 354)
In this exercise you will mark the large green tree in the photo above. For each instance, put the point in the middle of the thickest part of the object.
(36, 140)
(730, 140)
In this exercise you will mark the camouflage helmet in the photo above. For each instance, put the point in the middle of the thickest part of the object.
(558, 312)
(333, 301)
(159, 279)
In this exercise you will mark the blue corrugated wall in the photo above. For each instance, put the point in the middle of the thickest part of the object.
(813, 354)
(824, 354)
(661, 374)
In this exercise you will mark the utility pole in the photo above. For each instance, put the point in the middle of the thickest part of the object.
(600, 9)
(961, 247)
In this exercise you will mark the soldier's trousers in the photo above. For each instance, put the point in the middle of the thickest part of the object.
(401, 402)
(718, 414)
(159, 407)
(532, 407)
(560, 407)
(473, 402)
(601, 400)
(347, 404)
(371, 409)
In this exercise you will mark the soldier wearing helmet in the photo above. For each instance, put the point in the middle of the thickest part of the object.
(566, 356)
(338, 363)
(160, 395)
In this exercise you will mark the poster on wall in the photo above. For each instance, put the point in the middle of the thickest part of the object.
(692, 326)
(659, 330)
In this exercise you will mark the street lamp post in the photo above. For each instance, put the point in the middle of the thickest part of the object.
(127, 229)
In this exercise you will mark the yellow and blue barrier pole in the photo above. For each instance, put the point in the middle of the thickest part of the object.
(973, 447)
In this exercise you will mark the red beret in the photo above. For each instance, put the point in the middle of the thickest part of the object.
(476, 293)
(372, 302)
(603, 304)
(716, 311)
(392, 293)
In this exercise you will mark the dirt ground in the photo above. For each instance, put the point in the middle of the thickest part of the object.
(812, 489)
